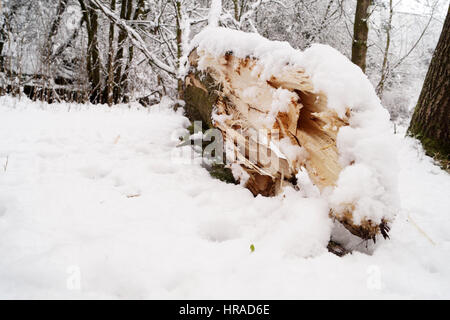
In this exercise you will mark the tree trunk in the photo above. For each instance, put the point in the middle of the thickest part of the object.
(54, 27)
(431, 119)
(306, 129)
(139, 14)
(179, 35)
(3, 39)
(123, 84)
(360, 33)
(384, 68)
(93, 57)
(110, 68)
(125, 14)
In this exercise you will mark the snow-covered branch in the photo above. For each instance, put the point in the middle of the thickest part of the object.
(134, 37)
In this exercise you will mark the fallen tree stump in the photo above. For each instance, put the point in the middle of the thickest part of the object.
(241, 96)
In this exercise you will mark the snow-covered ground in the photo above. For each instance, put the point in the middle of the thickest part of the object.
(95, 202)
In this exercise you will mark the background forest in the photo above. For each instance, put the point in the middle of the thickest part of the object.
(135, 50)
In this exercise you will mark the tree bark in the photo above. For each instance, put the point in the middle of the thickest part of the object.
(431, 119)
(360, 33)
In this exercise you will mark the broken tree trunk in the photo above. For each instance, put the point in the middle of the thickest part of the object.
(298, 129)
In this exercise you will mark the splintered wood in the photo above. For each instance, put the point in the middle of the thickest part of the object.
(237, 96)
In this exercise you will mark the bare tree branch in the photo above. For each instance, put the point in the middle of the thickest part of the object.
(134, 37)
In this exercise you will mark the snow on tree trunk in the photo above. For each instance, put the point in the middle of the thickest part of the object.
(309, 120)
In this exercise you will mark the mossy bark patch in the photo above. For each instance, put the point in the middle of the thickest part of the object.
(200, 97)
(430, 122)
(219, 171)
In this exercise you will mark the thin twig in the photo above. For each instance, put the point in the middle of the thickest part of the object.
(418, 40)
(420, 230)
